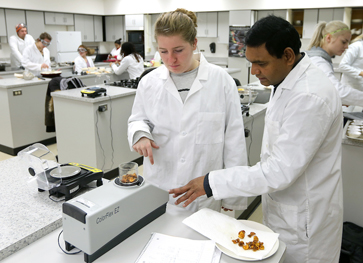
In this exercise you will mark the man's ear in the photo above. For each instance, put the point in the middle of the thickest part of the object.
(289, 56)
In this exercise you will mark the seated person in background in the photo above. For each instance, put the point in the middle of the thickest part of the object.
(116, 51)
(18, 43)
(352, 64)
(83, 61)
(329, 40)
(131, 62)
(36, 56)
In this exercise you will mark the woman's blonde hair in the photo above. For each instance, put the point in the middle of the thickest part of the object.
(334, 28)
(360, 37)
(179, 22)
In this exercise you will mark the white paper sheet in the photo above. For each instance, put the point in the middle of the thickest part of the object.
(222, 229)
(169, 249)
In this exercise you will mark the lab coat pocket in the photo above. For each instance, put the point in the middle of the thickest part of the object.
(210, 128)
(283, 219)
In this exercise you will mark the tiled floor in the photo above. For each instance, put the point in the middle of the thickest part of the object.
(256, 216)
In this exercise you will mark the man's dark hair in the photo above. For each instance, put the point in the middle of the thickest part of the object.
(276, 33)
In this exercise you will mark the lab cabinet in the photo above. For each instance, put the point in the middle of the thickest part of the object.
(13, 17)
(310, 22)
(134, 22)
(114, 28)
(223, 27)
(2, 23)
(64, 19)
(240, 18)
(98, 29)
(154, 17)
(207, 24)
(330, 14)
(84, 23)
(35, 23)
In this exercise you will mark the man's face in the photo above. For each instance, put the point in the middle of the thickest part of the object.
(22, 32)
(268, 69)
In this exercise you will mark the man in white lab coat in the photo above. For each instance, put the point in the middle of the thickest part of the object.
(299, 175)
(18, 43)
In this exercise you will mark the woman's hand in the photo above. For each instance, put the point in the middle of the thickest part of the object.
(361, 74)
(44, 66)
(144, 147)
(111, 64)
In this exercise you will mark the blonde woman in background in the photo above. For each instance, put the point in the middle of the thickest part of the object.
(83, 60)
(186, 119)
(329, 40)
(352, 64)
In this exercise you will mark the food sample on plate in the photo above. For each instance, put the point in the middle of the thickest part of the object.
(128, 178)
(252, 245)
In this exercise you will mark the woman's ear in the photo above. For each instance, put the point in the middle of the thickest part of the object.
(195, 44)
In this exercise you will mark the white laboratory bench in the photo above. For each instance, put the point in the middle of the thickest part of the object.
(352, 174)
(46, 249)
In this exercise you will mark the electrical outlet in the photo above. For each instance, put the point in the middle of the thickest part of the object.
(102, 108)
(17, 92)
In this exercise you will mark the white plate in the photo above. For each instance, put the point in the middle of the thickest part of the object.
(256, 226)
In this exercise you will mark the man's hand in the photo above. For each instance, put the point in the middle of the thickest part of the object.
(192, 190)
(361, 74)
(144, 147)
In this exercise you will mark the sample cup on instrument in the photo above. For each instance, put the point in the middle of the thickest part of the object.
(128, 173)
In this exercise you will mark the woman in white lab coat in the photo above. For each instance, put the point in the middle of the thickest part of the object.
(36, 57)
(186, 119)
(352, 64)
(131, 62)
(332, 39)
(83, 60)
(116, 51)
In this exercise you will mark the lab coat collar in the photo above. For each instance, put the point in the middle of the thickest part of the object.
(289, 82)
(202, 75)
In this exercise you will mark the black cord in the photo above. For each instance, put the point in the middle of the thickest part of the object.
(73, 253)
(99, 140)
(112, 158)
(249, 147)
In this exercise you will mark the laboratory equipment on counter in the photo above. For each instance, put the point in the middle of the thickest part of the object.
(60, 180)
(98, 220)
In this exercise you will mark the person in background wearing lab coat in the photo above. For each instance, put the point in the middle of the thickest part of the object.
(116, 51)
(352, 64)
(36, 57)
(83, 60)
(131, 62)
(299, 175)
(186, 119)
(329, 40)
(18, 43)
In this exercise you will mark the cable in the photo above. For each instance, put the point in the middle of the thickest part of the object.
(73, 253)
(112, 158)
(249, 147)
(99, 140)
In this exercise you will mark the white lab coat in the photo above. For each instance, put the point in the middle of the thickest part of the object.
(79, 64)
(348, 95)
(116, 52)
(17, 46)
(203, 134)
(352, 64)
(130, 64)
(33, 59)
(299, 174)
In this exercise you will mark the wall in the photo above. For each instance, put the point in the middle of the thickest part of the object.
(157, 6)
(95, 7)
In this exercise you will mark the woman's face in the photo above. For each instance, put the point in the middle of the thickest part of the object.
(176, 53)
(117, 46)
(336, 45)
(82, 52)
